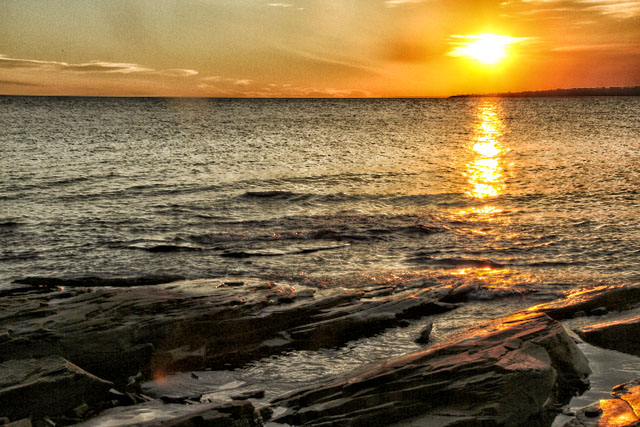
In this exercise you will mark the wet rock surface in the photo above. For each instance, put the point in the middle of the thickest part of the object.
(517, 370)
(622, 410)
(156, 330)
(621, 334)
(592, 302)
(50, 386)
(240, 414)
(512, 371)
(151, 331)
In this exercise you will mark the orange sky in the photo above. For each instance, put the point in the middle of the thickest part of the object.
(310, 47)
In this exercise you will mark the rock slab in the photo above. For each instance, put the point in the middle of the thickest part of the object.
(621, 335)
(48, 386)
(594, 301)
(512, 371)
(115, 333)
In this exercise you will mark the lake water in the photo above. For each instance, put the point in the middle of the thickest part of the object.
(523, 199)
(517, 195)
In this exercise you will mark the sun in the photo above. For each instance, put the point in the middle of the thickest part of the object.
(486, 48)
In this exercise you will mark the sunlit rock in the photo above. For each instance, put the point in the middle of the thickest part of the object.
(593, 301)
(511, 371)
(620, 411)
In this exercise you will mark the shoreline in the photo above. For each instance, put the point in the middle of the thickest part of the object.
(138, 332)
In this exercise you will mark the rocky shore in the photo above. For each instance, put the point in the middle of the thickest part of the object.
(75, 349)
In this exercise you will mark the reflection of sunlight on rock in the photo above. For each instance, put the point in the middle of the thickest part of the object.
(616, 412)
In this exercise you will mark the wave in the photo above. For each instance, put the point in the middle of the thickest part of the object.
(350, 228)
(555, 263)
(269, 252)
(9, 224)
(164, 248)
(456, 262)
(275, 194)
(281, 195)
(95, 281)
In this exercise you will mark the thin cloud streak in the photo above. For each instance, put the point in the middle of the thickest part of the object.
(89, 67)
(614, 8)
(396, 3)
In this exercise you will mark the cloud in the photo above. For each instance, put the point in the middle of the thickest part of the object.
(17, 83)
(601, 48)
(285, 6)
(178, 72)
(89, 67)
(620, 9)
(230, 87)
(617, 9)
(92, 66)
(396, 3)
(225, 81)
(329, 60)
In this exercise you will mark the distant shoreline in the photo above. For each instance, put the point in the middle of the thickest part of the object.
(554, 93)
(551, 93)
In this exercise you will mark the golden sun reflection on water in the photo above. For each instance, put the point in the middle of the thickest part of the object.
(485, 172)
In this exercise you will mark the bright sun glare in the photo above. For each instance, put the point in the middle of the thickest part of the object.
(486, 48)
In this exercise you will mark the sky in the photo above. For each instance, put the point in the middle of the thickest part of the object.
(313, 48)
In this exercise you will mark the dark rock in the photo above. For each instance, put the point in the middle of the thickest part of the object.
(134, 383)
(266, 412)
(233, 283)
(81, 410)
(622, 335)
(47, 387)
(181, 399)
(216, 415)
(599, 299)
(423, 337)
(593, 411)
(514, 371)
(598, 311)
(194, 325)
(620, 411)
(252, 394)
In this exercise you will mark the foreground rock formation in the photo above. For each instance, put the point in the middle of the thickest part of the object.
(152, 331)
(512, 371)
(156, 330)
(49, 386)
(91, 348)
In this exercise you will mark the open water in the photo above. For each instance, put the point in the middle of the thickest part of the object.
(518, 195)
